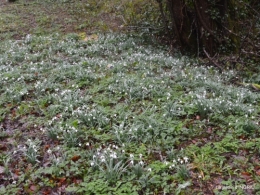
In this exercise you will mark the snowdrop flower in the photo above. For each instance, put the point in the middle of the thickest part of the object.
(102, 159)
(113, 155)
(186, 159)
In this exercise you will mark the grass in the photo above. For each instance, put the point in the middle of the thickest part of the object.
(113, 113)
(66, 16)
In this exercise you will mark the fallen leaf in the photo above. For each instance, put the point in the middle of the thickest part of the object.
(2, 169)
(33, 187)
(3, 147)
(256, 86)
(46, 192)
(46, 147)
(13, 113)
(82, 35)
(75, 158)
(91, 37)
(17, 172)
(246, 175)
(257, 170)
(209, 130)
(194, 141)
(76, 181)
(61, 181)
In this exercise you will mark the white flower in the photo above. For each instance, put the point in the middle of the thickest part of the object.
(92, 164)
(113, 155)
(102, 159)
(186, 159)
(141, 162)
(149, 169)
(131, 156)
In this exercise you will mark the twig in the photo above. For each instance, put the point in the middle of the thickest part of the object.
(211, 60)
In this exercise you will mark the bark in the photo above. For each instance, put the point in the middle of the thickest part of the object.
(204, 25)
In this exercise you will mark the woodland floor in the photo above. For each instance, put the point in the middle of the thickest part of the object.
(87, 107)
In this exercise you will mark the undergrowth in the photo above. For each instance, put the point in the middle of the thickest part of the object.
(94, 113)
(116, 114)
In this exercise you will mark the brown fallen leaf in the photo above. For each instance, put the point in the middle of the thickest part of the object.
(46, 147)
(3, 147)
(246, 175)
(257, 170)
(61, 181)
(75, 158)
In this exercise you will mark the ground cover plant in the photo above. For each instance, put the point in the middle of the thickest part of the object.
(116, 114)
(65, 16)
(113, 113)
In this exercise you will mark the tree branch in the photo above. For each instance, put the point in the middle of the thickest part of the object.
(212, 60)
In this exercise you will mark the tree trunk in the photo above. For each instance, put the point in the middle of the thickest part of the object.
(203, 25)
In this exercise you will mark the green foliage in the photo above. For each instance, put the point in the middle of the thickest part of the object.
(116, 115)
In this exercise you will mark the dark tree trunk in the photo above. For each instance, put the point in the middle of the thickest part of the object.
(201, 26)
